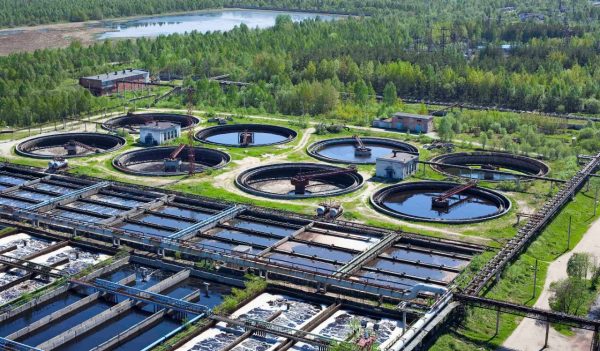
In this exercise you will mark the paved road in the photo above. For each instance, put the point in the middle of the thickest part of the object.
(530, 334)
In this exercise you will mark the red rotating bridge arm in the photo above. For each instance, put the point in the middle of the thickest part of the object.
(359, 142)
(80, 144)
(300, 180)
(321, 174)
(176, 152)
(456, 190)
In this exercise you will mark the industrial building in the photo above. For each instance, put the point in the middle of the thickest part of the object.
(396, 166)
(406, 122)
(156, 133)
(108, 83)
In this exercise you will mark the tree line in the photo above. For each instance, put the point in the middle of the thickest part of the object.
(25, 13)
(309, 67)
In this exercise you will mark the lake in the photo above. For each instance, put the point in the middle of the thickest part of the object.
(205, 21)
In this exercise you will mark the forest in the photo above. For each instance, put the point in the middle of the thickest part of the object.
(26, 13)
(313, 67)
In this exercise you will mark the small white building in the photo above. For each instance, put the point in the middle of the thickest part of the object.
(396, 166)
(156, 133)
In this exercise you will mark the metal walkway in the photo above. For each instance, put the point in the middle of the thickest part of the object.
(369, 254)
(261, 328)
(205, 252)
(209, 223)
(535, 225)
(29, 266)
(68, 196)
(144, 296)
(529, 312)
(9, 345)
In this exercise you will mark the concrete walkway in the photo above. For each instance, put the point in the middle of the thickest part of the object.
(530, 334)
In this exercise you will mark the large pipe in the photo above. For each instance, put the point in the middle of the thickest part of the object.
(422, 322)
(422, 288)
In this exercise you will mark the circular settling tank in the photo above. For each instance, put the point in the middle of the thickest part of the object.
(476, 165)
(158, 161)
(246, 135)
(420, 201)
(69, 145)
(299, 180)
(132, 122)
(361, 150)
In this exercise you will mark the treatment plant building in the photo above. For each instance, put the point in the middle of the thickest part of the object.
(103, 84)
(156, 133)
(403, 121)
(396, 166)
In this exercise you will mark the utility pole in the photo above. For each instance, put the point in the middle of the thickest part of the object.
(569, 235)
(535, 270)
(596, 202)
(444, 31)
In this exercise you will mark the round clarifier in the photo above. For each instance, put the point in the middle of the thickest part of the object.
(414, 201)
(478, 162)
(275, 181)
(132, 122)
(346, 150)
(246, 135)
(155, 161)
(69, 145)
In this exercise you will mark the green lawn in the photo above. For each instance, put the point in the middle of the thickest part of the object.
(516, 283)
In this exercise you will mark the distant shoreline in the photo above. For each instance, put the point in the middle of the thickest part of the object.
(60, 35)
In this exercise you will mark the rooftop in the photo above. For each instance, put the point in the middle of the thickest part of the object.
(158, 125)
(399, 157)
(122, 74)
(412, 115)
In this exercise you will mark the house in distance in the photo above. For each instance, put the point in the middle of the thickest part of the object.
(108, 83)
(403, 121)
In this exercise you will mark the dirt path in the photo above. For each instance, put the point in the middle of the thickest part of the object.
(529, 335)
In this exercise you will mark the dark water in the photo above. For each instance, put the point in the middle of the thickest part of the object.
(54, 188)
(418, 204)
(54, 329)
(32, 195)
(107, 330)
(221, 245)
(351, 242)
(317, 251)
(173, 223)
(243, 237)
(105, 210)
(260, 227)
(479, 174)
(405, 254)
(12, 180)
(182, 212)
(116, 200)
(417, 271)
(138, 228)
(14, 203)
(76, 215)
(346, 153)
(208, 21)
(303, 263)
(145, 338)
(32, 315)
(166, 325)
(386, 280)
(260, 138)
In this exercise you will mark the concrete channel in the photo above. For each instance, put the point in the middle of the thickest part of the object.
(168, 233)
